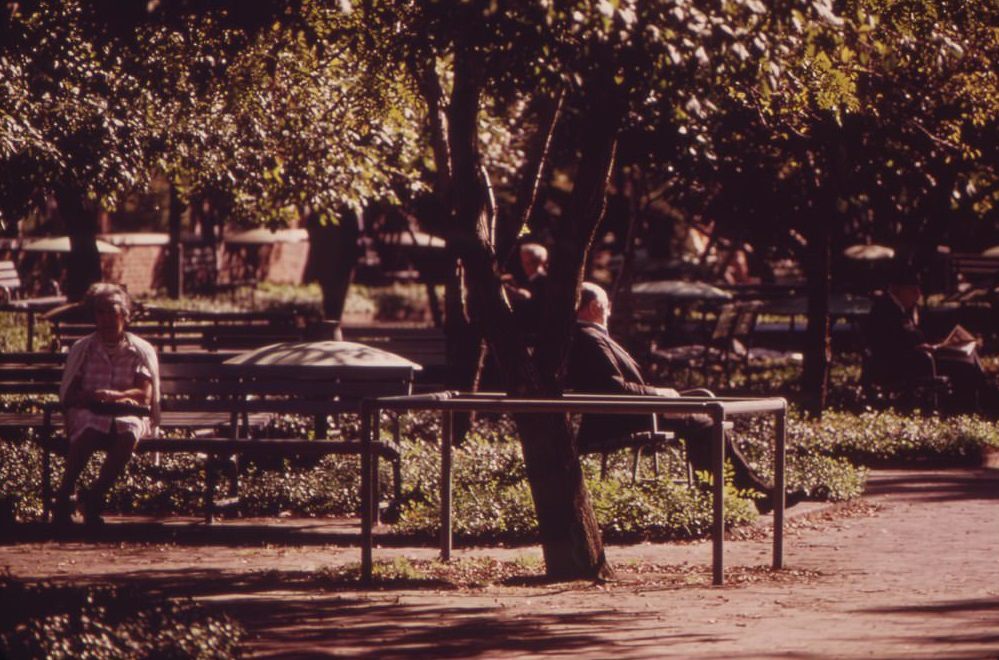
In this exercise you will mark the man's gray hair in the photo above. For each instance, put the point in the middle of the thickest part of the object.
(105, 292)
(536, 250)
(590, 292)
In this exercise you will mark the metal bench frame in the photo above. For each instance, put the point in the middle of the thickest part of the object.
(447, 403)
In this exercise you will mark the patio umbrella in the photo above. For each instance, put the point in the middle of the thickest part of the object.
(340, 359)
(61, 244)
(869, 252)
(680, 290)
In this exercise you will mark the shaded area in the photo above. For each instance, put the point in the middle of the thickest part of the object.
(938, 486)
(294, 613)
(235, 534)
(978, 617)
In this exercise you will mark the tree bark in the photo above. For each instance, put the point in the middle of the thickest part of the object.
(175, 248)
(83, 266)
(829, 178)
(569, 532)
(818, 348)
(332, 257)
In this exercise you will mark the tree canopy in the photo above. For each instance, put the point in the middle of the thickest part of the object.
(795, 125)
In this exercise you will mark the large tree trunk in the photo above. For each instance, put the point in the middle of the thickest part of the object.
(332, 257)
(570, 535)
(818, 349)
(829, 170)
(83, 266)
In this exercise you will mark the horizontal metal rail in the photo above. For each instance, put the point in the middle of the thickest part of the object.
(449, 402)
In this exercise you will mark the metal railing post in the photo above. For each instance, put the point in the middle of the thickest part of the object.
(366, 494)
(718, 484)
(447, 441)
(780, 457)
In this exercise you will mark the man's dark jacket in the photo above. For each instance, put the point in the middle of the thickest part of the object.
(599, 364)
(892, 339)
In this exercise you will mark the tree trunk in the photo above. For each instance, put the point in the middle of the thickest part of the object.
(818, 350)
(570, 535)
(332, 256)
(83, 266)
(175, 248)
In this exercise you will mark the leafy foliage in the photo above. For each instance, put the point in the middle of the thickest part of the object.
(492, 498)
(54, 621)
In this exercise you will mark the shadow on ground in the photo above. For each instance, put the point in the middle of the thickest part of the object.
(295, 613)
(938, 486)
(980, 613)
(328, 532)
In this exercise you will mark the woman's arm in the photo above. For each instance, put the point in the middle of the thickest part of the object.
(141, 393)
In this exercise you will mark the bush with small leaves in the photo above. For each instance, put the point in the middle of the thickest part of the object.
(98, 622)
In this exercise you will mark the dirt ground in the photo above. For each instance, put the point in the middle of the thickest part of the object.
(910, 572)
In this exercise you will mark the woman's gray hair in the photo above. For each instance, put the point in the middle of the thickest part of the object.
(105, 292)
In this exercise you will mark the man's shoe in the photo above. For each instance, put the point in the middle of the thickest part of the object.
(794, 497)
(765, 504)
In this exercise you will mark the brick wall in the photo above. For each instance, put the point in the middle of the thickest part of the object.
(142, 268)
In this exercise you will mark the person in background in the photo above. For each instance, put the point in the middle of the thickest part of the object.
(527, 295)
(899, 350)
(598, 364)
(106, 372)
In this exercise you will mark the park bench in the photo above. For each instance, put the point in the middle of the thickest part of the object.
(424, 345)
(652, 441)
(973, 278)
(12, 299)
(882, 389)
(38, 374)
(233, 392)
(972, 289)
(176, 330)
(712, 355)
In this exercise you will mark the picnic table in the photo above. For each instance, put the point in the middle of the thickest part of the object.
(680, 291)
(719, 409)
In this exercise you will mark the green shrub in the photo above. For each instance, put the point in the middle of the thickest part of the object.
(14, 333)
(874, 436)
(491, 497)
(55, 621)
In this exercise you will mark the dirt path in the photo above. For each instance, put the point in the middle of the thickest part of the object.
(914, 574)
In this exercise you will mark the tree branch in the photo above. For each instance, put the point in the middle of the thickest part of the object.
(536, 164)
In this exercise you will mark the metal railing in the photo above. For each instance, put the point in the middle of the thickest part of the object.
(718, 409)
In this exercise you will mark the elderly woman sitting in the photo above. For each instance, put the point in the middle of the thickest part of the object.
(106, 372)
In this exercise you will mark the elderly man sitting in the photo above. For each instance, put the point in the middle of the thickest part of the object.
(109, 376)
(600, 365)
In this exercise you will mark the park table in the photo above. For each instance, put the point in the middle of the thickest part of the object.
(719, 409)
(328, 369)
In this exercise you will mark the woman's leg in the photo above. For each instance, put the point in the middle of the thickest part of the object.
(80, 451)
(122, 446)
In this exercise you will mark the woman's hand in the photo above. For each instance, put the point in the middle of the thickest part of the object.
(107, 396)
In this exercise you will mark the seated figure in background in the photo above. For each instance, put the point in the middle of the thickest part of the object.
(108, 367)
(598, 364)
(899, 350)
(527, 295)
